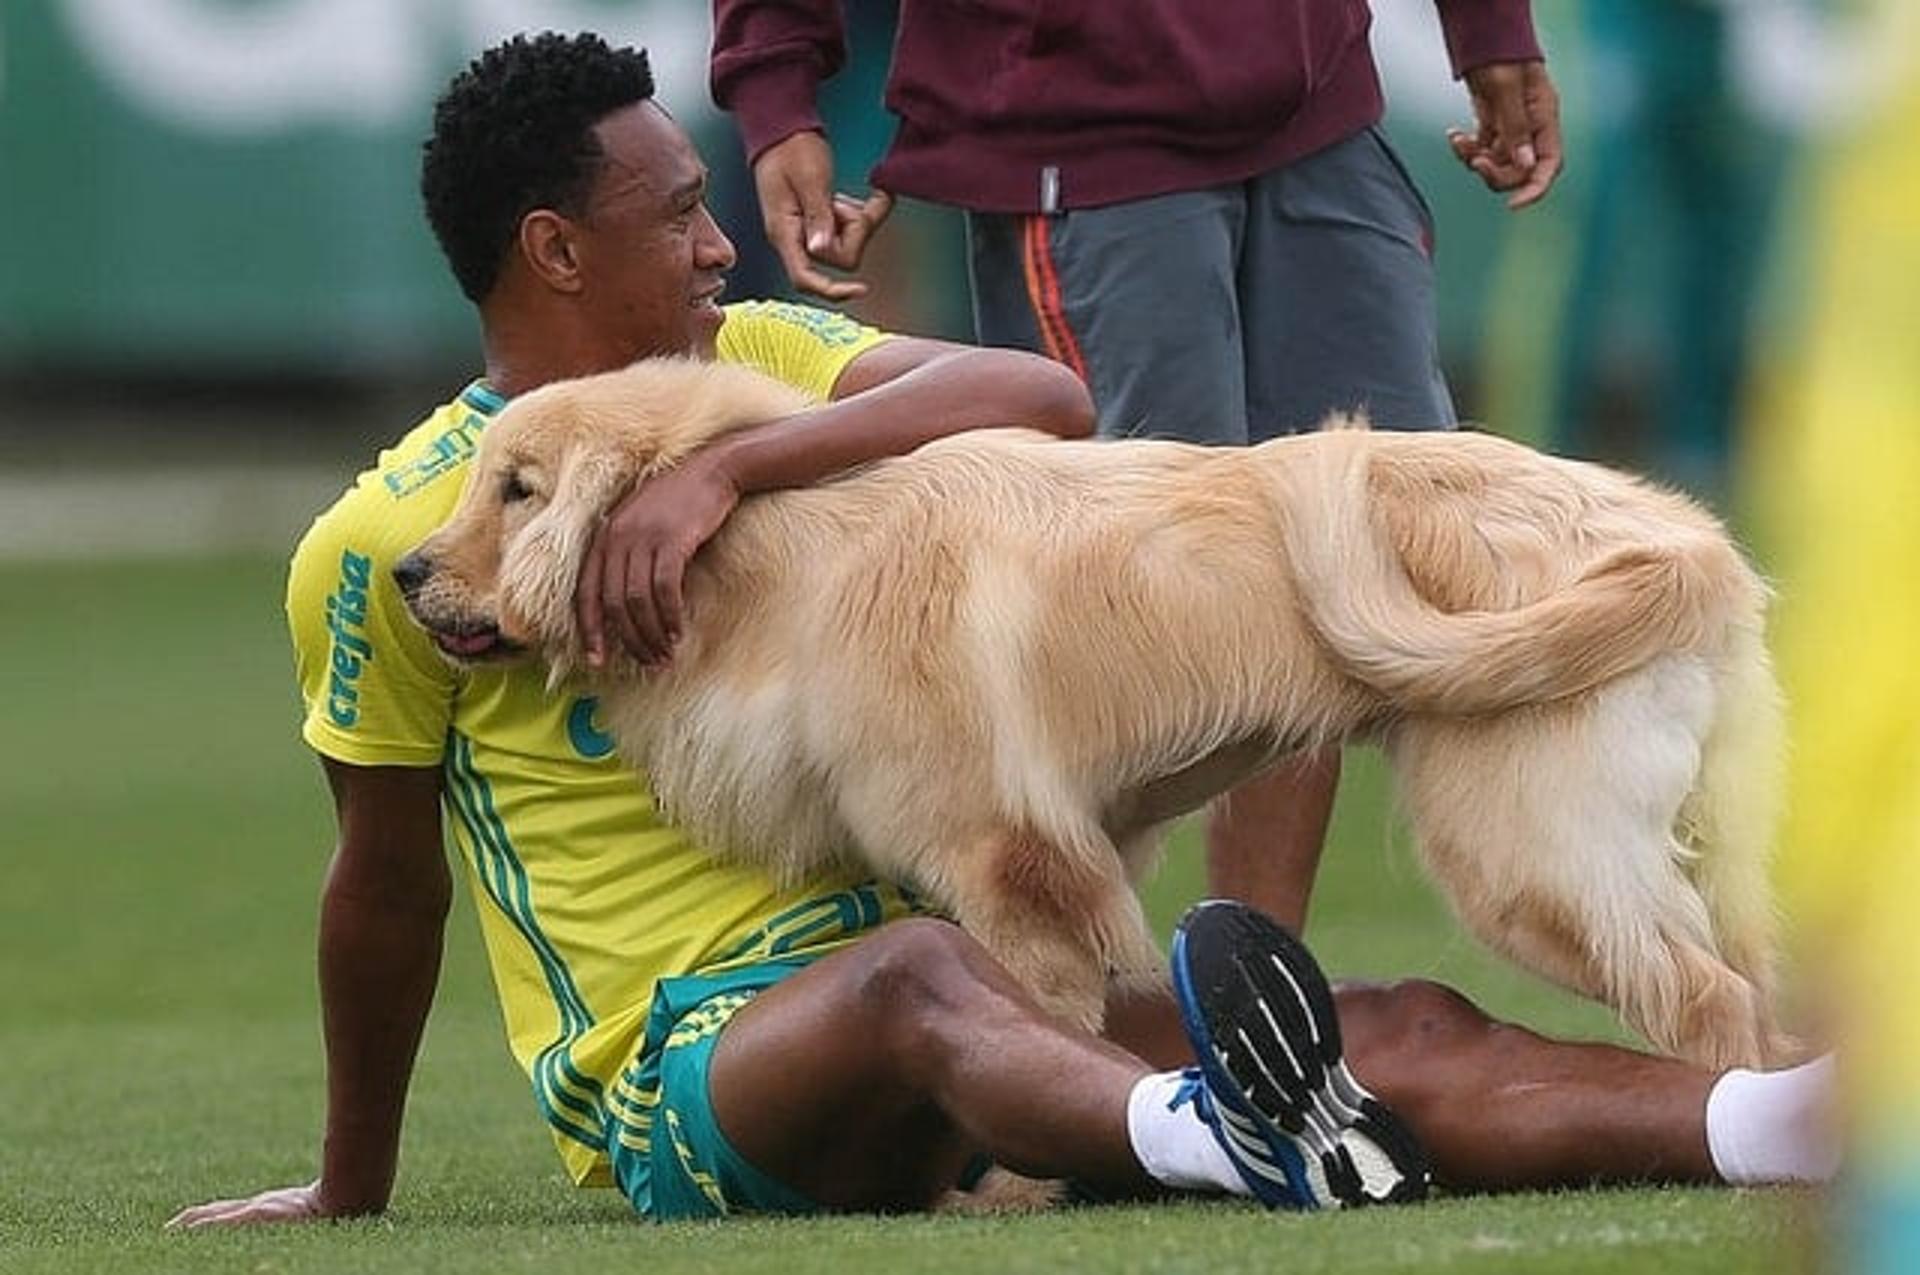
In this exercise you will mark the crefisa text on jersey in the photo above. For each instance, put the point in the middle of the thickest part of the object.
(346, 620)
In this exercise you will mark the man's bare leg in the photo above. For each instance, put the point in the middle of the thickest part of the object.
(1495, 1106)
(1264, 837)
(869, 1079)
(1499, 1107)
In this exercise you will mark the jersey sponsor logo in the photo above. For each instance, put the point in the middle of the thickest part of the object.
(587, 738)
(442, 456)
(825, 326)
(350, 651)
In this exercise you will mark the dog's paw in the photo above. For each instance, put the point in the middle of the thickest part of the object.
(999, 1191)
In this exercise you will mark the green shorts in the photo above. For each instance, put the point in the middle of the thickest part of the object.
(667, 1151)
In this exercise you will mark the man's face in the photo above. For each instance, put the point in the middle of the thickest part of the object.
(653, 259)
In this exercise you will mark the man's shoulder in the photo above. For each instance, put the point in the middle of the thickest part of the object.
(413, 484)
(803, 345)
(829, 327)
(439, 447)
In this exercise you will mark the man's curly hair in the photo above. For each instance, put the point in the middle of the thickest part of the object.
(514, 132)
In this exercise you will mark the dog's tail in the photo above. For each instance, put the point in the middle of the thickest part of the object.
(1628, 606)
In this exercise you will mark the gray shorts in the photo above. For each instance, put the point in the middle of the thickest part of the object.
(1236, 313)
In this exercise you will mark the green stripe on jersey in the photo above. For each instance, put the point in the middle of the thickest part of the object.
(558, 1085)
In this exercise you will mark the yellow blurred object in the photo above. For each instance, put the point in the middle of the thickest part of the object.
(1844, 481)
(1840, 484)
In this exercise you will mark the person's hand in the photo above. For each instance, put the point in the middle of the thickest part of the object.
(283, 1204)
(630, 579)
(1517, 148)
(807, 223)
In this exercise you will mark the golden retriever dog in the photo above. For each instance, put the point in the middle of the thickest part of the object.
(995, 667)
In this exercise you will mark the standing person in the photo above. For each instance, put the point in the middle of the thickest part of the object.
(698, 1035)
(1191, 205)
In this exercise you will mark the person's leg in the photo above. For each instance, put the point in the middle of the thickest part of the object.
(1138, 298)
(1496, 1106)
(868, 1080)
(1142, 297)
(1335, 288)
(872, 1078)
(1264, 838)
(1500, 1107)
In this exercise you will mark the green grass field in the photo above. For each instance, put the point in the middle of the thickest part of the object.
(165, 834)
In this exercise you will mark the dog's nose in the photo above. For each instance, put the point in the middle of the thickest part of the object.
(411, 572)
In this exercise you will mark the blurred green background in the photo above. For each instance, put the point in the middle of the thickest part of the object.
(215, 238)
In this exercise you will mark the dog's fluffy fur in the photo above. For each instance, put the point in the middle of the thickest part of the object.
(994, 667)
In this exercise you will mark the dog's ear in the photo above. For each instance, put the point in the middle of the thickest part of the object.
(542, 562)
(591, 481)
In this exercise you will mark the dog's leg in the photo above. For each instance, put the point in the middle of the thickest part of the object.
(1060, 921)
(1732, 816)
(1061, 924)
(1551, 829)
(1678, 994)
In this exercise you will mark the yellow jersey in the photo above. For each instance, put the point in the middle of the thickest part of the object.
(586, 898)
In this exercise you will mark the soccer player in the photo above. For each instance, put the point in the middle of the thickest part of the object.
(696, 1034)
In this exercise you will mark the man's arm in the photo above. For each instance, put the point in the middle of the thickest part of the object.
(767, 64)
(382, 921)
(768, 61)
(902, 393)
(889, 400)
(1516, 147)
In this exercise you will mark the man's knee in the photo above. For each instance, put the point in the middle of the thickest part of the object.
(920, 967)
(922, 990)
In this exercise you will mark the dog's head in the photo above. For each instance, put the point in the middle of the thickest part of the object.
(497, 579)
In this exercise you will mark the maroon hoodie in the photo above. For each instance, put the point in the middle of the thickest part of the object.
(1036, 105)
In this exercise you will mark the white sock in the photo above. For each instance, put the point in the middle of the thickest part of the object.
(1172, 1143)
(1775, 1126)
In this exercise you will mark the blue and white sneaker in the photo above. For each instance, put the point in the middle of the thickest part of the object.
(1272, 1085)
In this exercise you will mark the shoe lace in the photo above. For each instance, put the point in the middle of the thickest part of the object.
(1193, 1089)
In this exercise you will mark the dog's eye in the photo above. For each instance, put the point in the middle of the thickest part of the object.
(512, 490)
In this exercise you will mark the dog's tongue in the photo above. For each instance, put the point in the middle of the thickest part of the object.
(466, 643)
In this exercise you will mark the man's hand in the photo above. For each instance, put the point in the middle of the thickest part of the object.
(1517, 148)
(810, 225)
(630, 579)
(284, 1204)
